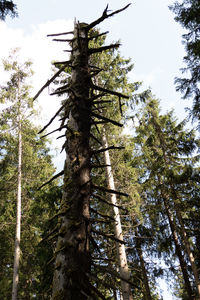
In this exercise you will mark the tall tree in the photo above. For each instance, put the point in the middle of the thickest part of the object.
(166, 149)
(73, 261)
(14, 122)
(188, 15)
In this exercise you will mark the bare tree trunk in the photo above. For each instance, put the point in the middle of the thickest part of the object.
(147, 292)
(18, 218)
(123, 265)
(178, 248)
(188, 250)
(72, 264)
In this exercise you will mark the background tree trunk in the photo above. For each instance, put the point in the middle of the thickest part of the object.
(178, 247)
(18, 218)
(123, 264)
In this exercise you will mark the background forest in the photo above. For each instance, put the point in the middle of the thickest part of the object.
(129, 197)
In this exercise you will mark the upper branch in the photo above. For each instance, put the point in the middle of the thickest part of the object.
(104, 16)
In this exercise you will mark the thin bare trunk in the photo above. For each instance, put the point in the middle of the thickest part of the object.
(123, 265)
(147, 292)
(18, 219)
(188, 250)
(178, 247)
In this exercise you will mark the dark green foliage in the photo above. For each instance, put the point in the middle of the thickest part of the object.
(188, 15)
(165, 158)
(7, 8)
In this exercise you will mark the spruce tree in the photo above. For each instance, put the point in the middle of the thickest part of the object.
(165, 150)
(33, 154)
(188, 15)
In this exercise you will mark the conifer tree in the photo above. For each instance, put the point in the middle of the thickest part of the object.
(187, 14)
(22, 155)
(166, 148)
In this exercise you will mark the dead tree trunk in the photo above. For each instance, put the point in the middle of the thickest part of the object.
(121, 252)
(72, 252)
(72, 273)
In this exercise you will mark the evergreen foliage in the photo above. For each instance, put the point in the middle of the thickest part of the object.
(165, 158)
(188, 15)
(37, 206)
(7, 8)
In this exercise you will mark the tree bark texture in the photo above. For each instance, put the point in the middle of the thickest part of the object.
(188, 247)
(121, 252)
(147, 292)
(72, 263)
(18, 218)
(178, 248)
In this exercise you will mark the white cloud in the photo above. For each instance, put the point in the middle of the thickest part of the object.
(39, 48)
(147, 78)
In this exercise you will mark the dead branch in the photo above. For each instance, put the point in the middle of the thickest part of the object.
(49, 234)
(106, 149)
(56, 114)
(92, 136)
(97, 35)
(63, 40)
(109, 203)
(101, 214)
(53, 178)
(105, 16)
(100, 49)
(106, 119)
(65, 89)
(61, 136)
(52, 79)
(60, 62)
(95, 87)
(101, 188)
(94, 244)
(109, 236)
(58, 129)
(63, 33)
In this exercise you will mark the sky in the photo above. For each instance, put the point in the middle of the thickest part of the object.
(147, 31)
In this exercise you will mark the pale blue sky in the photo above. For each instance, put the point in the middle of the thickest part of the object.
(147, 30)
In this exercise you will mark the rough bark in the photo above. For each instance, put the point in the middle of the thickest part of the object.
(18, 218)
(121, 252)
(188, 249)
(72, 252)
(147, 292)
(178, 247)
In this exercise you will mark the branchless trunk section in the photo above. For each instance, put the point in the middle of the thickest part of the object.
(122, 259)
(177, 246)
(18, 218)
(147, 292)
(187, 243)
(72, 253)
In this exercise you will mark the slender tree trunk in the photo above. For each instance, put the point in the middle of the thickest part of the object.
(147, 293)
(178, 247)
(188, 249)
(18, 218)
(123, 265)
(72, 265)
